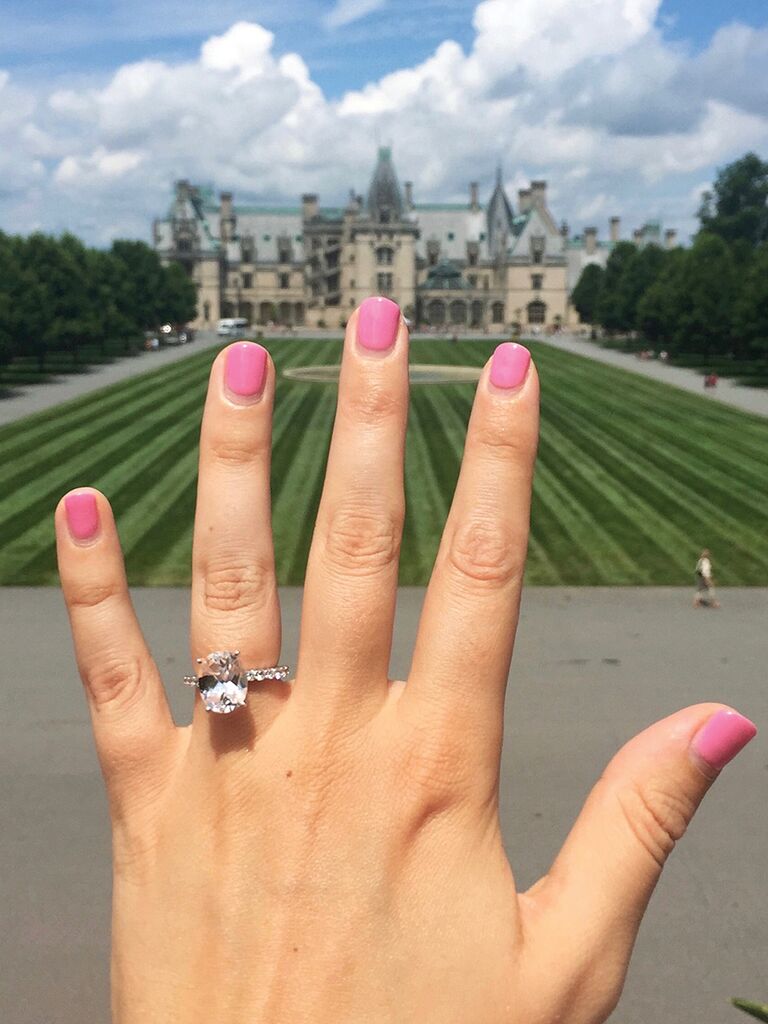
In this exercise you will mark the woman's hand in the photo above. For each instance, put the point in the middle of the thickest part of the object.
(331, 851)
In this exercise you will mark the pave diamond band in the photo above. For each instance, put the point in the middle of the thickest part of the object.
(223, 684)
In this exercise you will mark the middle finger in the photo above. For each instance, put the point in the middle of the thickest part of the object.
(351, 581)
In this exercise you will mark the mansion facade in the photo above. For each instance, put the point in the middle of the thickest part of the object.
(448, 265)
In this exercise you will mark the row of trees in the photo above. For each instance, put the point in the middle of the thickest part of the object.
(57, 294)
(709, 299)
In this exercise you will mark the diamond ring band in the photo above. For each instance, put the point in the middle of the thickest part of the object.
(223, 683)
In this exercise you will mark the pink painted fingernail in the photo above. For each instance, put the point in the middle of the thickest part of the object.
(246, 369)
(378, 321)
(82, 514)
(723, 736)
(509, 365)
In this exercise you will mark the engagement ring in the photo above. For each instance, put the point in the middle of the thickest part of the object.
(223, 684)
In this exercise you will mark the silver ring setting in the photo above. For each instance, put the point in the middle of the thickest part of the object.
(223, 683)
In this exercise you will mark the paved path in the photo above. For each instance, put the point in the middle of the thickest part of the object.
(592, 667)
(36, 397)
(754, 400)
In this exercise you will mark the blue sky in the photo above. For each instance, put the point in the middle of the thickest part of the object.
(47, 38)
(626, 107)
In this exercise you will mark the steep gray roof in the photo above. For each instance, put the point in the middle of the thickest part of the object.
(384, 192)
(500, 218)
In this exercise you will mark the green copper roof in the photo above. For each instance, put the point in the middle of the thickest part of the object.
(444, 276)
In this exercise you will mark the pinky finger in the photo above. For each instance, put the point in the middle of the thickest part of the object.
(132, 722)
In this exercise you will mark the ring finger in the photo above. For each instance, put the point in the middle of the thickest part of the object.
(234, 591)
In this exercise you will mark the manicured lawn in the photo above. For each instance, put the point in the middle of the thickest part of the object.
(634, 477)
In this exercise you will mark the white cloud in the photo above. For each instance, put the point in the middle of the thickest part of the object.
(585, 93)
(345, 12)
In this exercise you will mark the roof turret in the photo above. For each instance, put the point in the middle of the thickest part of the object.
(500, 218)
(385, 202)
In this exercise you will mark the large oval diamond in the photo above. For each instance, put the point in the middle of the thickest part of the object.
(223, 686)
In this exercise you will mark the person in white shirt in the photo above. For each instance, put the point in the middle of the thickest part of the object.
(705, 584)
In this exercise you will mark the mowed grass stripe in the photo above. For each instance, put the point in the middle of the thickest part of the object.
(671, 501)
(700, 482)
(301, 471)
(426, 505)
(630, 471)
(653, 402)
(33, 432)
(697, 450)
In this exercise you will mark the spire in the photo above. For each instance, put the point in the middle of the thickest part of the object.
(499, 217)
(385, 202)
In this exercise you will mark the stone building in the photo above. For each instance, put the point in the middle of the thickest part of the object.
(448, 265)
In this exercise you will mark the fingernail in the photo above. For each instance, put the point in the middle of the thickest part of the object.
(246, 369)
(723, 736)
(82, 514)
(378, 321)
(509, 365)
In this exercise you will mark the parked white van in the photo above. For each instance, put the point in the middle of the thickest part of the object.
(232, 325)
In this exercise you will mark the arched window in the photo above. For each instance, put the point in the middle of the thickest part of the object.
(266, 312)
(537, 312)
(245, 309)
(384, 256)
(497, 312)
(476, 314)
(436, 313)
(299, 314)
(284, 313)
(458, 312)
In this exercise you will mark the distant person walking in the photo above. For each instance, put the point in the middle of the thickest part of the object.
(705, 584)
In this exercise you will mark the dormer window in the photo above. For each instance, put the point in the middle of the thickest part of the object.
(538, 244)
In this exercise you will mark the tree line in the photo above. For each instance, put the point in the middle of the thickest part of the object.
(710, 299)
(59, 295)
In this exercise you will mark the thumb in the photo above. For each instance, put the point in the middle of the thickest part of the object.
(598, 888)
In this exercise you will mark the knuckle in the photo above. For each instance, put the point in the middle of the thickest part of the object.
(483, 552)
(236, 449)
(238, 586)
(435, 763)
(655, 815)
(363, 541)
(114, 681)
(505, 440)
(372, 404)
(87, 594)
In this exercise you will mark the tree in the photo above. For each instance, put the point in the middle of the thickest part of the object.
(751, 313)
(178, 295)
(139, 299)
(640, 271)
(609, 312)
(659, 307)
(586, 294)
(737, 208)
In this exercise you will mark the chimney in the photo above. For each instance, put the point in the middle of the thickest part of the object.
(408, 186)
(227, 221)
(565, 230)
(670, 238)
(590, 241)
(474, 196)
(637, 236)
(615, 228)
(539, 194)
(309, 205)
(524, 200)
